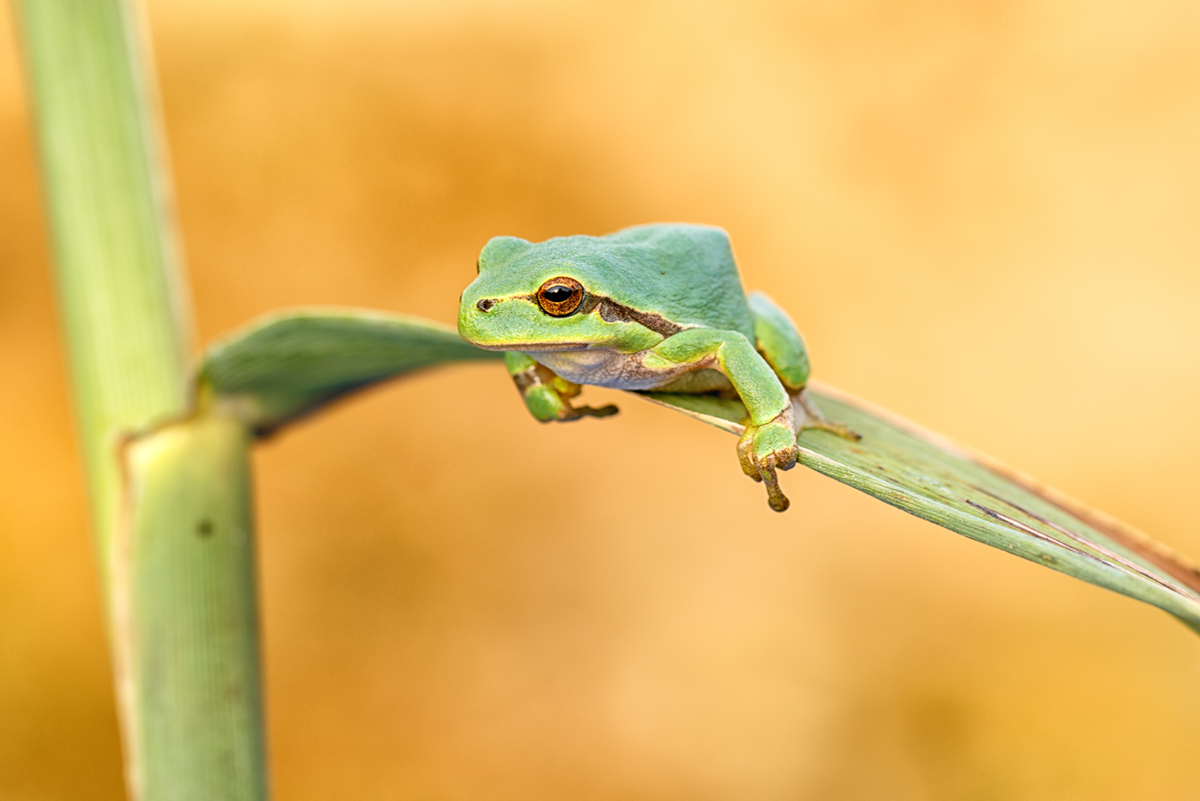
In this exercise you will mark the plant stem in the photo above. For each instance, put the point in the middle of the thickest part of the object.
(188, 600)
(119, 283)
(182, 612)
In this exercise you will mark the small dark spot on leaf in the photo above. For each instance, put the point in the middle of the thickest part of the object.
(1048, 559)
(205, 528)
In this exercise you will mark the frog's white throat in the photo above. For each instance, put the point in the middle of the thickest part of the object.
(604, 367)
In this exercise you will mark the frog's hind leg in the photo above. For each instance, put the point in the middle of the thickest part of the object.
(783, 348)
(779, 342)
(815, 420)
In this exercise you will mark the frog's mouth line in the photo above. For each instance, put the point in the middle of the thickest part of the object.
(532, 347)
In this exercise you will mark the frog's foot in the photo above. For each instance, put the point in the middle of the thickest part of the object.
(766, 448)
(550, 401)
(814, 419)
(569, 412)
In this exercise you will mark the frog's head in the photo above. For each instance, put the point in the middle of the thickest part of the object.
(545, 296)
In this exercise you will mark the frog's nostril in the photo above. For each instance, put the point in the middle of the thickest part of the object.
(485, 305)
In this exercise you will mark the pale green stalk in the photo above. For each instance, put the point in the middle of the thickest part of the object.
(105, 189)
(171, 511)
(193, 655)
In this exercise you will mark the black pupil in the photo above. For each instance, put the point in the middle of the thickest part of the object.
(559, 293)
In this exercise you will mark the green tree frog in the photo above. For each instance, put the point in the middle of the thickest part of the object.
(654, 307)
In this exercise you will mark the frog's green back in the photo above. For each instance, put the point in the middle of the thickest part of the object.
(686, 273)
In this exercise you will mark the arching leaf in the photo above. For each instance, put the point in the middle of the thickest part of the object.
(286, 365)
(932, 478)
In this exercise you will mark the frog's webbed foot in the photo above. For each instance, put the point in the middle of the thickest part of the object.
(815, 420)
(548, 396)
(766, 448)
(569, 412)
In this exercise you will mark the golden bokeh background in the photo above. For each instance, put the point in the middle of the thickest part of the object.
(984, 216)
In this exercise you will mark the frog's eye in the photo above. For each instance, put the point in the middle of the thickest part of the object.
(560, 296)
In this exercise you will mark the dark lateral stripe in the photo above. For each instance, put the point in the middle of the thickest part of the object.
(613, 312)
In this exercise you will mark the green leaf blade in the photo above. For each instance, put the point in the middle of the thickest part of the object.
(287, 365)
(927, 476)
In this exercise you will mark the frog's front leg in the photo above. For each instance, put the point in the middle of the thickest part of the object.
(769, 443)
(548, 395)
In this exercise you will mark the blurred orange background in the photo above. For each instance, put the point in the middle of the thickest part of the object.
(982, 215)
